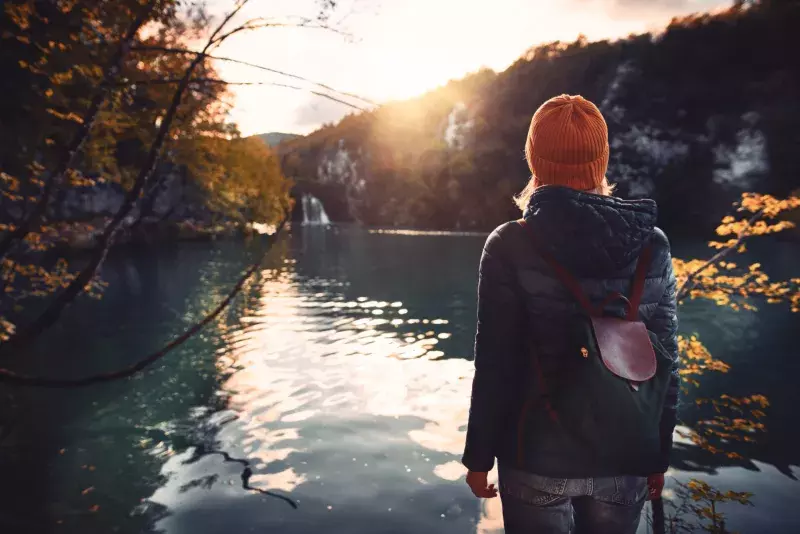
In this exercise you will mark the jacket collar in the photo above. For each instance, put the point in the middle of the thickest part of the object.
(591, 233)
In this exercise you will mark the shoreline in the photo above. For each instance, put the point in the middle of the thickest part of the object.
(79, 236)
(82, 236)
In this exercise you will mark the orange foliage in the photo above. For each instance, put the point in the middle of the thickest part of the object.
(731, 419)
(726, 283)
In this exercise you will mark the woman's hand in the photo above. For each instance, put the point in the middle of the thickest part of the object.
(479, 484)
(655, 484)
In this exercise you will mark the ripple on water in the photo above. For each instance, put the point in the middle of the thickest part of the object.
(320, 375)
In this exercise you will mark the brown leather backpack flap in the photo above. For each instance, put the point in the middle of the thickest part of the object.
(625, 348)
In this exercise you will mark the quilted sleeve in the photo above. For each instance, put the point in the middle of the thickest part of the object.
(500, 319)
(664, 323)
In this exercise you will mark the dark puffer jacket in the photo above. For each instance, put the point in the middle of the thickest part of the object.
(598, 239)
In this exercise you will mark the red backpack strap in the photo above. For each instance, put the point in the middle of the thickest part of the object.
(642, 266)
(569, 281)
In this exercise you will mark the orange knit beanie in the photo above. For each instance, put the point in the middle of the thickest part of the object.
(568, 144)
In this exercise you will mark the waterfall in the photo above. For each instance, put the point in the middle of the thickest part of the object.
(314, 211)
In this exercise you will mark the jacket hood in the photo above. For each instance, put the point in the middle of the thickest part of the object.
(591, 235)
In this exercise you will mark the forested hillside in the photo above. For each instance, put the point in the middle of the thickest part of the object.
(54, 56)
(697, 114)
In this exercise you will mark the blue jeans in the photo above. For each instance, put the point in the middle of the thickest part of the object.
(533, 504)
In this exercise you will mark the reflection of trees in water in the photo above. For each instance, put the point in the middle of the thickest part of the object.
(693, 459)
(776, 450)
(758, 364)
(375, 431)
(349, 497)
(111, 440)
(398, 268)
(207, 482)
(175, 404)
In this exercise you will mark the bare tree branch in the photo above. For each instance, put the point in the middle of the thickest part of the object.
(288, 21)
(213, 39)
(52, 313)
(255, 66)
(143, 180)
(257, 24)
(70, 156)
(223, 82)
(689, 283)
(9, 376)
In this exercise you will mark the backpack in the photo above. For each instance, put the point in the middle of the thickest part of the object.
(599, 412)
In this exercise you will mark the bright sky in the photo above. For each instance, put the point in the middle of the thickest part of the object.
(401, 48)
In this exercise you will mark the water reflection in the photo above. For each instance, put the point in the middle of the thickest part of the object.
(353, 402)
(346, 404)
(338, 383)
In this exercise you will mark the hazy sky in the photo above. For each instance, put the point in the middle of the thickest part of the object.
(401, 48)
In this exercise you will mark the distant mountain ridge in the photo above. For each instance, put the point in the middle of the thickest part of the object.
(276, 138)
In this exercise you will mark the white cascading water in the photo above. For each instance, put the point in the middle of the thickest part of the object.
(314, 212)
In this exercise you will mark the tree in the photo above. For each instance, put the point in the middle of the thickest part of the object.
(242, 178)
(118, 107)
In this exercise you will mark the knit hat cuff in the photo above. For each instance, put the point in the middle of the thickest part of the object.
(584, 175)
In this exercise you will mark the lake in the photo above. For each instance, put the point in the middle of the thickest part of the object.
(332, 396)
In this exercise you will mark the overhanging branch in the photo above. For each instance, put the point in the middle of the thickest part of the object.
(69, 157)
(261, 23)
(53, 311)
(224, 82)
(689, 283)
(11, 377)
(170, 50)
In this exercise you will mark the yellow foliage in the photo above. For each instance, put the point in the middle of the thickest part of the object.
(768, 205)
(696, 359)
(242, 176)
(61, 78)
(76, 179)
(9, 181)
(7, 329)
(733, 419)
(724, 282)
(20, 14)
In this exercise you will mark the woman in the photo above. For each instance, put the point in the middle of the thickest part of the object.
(552, 478)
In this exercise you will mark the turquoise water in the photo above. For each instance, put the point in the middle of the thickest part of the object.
(332, 396)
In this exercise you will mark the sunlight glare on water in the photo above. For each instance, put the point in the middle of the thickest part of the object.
(312, 359)
(332, 395)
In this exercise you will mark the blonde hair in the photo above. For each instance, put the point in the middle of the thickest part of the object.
(522, 199)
